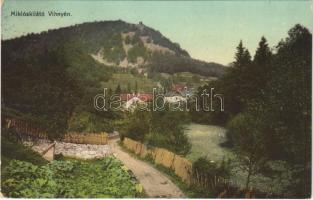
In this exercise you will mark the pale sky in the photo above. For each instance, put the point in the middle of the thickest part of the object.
(208, 30)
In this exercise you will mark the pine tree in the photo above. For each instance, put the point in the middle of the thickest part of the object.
(246, 58)
(263, 54)
(239, 54)
(242, 56)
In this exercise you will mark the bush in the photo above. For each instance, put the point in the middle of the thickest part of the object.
(159, 129)
(205, 171)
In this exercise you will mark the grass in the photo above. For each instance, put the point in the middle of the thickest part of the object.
(144, 84)
(205, 141)
(187, 78)
(189, 190)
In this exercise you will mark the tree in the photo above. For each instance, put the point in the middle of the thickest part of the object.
(263, 54)
(137, 125)
(157, 129)
(249, 145)
(242, 56)
(239, 54)
(261, 70)
(276, 121)
(289, 97)
(128, 87)
(118, 89)
(236, 83)
(164, 133)
(268, 108)
(136, 87)
(110, 93)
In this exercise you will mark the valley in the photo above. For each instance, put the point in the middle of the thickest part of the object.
(257, 147)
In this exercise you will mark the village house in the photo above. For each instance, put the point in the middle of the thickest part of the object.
(130, 100)
(178, 93)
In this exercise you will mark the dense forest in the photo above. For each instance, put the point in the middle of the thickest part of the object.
(268, 109)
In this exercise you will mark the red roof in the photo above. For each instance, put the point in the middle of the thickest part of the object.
(142, 96)
(178, 87)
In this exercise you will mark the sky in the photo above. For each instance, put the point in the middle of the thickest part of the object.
(208, 30)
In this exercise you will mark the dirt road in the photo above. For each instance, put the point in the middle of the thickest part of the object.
(154, 182)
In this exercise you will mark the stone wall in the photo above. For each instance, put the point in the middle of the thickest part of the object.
(80, 151)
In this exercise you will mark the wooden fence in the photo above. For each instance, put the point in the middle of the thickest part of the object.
(29, 131)
(25, 130)
(86, 138)
(183, 168)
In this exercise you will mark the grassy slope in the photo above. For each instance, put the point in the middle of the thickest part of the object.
(143, 83)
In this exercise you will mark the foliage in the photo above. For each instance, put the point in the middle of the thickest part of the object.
(157, 129)
(249, 143)
(144, 84)
(91, 122)
(205, 171)
(211, 169)
(106, 178)
(137, 125)
(42, 88)
(167, 131)
(168, 63)
(138, 50)
(289, 97)
(52, 86)
(113, 49)
(268, 107)
(11, 150)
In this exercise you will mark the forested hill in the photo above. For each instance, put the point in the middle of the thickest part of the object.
(52, 77)
(112, 43)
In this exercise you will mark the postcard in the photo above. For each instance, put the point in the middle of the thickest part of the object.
(156, 99)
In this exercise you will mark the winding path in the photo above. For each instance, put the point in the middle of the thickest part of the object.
(154, 182)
